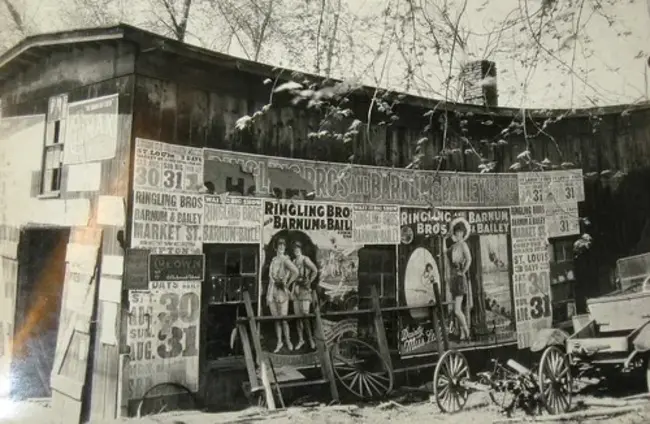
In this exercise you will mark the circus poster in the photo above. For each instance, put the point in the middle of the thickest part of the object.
(308, 251)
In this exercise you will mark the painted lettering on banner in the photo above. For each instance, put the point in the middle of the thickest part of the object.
(564, 186)
(551, 187)
(531, 188)
(230, 219)
(167, 222)
(424, 258)
(168, 167)
(91, 130)
(375, 224)
(307, 246)
(531, 272)
(562, 219)
(433, 222)
(263, 176)
(176, 267)
(163, 335)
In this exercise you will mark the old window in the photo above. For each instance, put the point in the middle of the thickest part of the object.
(377, 268)
(53, 150)
(232, 269)
(563, 280)
(563, 250)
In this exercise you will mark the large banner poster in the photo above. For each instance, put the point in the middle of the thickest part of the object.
(163, 335)
(307, 246)
(429, 255)
(164, 321)
(230, 219)
(275, 177)
(531, 279)
(92, 130)
(167, 204)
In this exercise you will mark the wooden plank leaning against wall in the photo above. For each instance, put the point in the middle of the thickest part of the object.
(101, 386)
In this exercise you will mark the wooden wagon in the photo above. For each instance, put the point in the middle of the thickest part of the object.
(613, 338)
(364, 368)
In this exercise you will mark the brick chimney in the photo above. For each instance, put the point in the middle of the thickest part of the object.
(479, 79)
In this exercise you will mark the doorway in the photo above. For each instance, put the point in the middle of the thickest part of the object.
(41, 272)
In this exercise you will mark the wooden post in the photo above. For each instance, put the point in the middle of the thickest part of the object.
(443, 320)
(325, 359)
(270, 402)
(433, 314)
(248, 355)
(382, 341)
(260, 354)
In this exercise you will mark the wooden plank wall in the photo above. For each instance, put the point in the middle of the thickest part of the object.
(83, 74)
(184, 102)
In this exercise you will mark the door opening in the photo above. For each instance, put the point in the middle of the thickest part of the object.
(41, 272)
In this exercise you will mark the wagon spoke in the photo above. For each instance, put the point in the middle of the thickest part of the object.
(373, 384)
(373, 378)
(450, 371)
(354, 380)
(457, 399)
(444, 391)
(365, 376)
(555, 381)
(349, 375)
(553, 401)
(366, 385)
(345, 360)
(383, 377)
(443, 381)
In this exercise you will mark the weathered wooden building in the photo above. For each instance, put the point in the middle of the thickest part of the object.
(73, 105)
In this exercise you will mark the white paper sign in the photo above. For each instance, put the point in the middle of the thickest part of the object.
(167, 206)
(92, 130)
(531, 278)
(108, 323)
(376, 224)
(232, 219)
(167, 222)
(163, 335)
(111, 210)
(562, 219)
(84, 177)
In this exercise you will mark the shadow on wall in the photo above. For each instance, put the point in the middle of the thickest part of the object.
(618, 210)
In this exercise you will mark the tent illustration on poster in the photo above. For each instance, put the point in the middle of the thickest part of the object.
(419, 276)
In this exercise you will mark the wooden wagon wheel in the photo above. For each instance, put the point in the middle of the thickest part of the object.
(155, 399)
(452, 371)
(361, 369)
(555, 382)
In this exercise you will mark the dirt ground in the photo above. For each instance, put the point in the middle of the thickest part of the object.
(478, 410)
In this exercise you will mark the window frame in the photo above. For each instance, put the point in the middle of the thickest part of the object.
(51, 175)
(387, 275)
(222, 252)
(564, 245)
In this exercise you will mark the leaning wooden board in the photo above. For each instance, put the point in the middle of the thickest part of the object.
(620, 312)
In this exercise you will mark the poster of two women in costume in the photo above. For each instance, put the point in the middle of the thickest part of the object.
(465, 254)
(307, 248)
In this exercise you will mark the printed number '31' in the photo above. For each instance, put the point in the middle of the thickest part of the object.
(540, 307)
(187, 309)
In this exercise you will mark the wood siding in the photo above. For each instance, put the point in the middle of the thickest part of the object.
(83, 74)
(185, 102)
